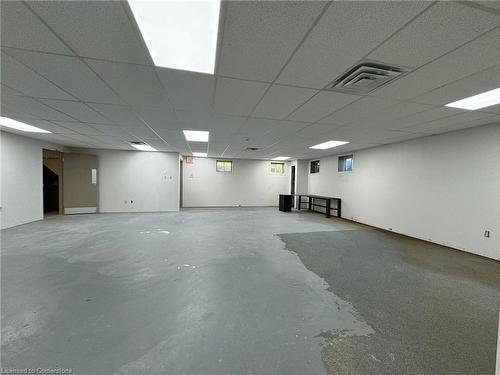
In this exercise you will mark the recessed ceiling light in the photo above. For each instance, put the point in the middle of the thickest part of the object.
(142, 146)
(179, 34)
(281, 158)
(486, 99)
(329, 144)
(200, 154)
(196, 135)
(18, 125)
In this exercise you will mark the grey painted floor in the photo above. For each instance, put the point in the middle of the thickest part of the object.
(218, 292)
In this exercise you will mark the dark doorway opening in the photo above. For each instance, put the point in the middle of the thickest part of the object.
(292, 184)
(52, 183)
(50, 191)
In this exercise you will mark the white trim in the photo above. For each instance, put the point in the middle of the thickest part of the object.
(80, 210)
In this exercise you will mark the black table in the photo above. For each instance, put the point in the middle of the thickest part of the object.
(311, 203)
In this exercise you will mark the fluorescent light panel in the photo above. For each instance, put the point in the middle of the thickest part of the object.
(179, 34)
(200, 154)
(329, 144)
(486, 99)
(196, 135)
(143, 147)
(282, 158)
(18, 125)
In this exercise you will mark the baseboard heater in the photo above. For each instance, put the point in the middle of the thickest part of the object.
(80, 210)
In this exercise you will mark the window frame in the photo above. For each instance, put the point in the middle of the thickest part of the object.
(317, 166)
(342, 165)
(277, 163)
(223, 161)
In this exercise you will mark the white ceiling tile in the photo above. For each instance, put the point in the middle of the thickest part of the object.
(112, 140)
(20, 78)
(362, 133)
(259, 36)
(485, 80)
(280, 101)
(137, 85)
(98, 29)
(188, 90)
(346, 32)
(321, 105)
(157, 118)
(209, 121)
(198, 146)
(492, 109)
(119, 114)
(285, 128)
(358, 111)
(8, 91)
(237, 97)
(493, 4)
(471, 58)
(254, 128)
(391, 118)
(429, 115)
(12, 105)
(79, 127)
(69, 73)
(22, 29)
(463, 125)
(110, 130)
(76, 110)
(465, 119)
(141, 131)
(315, 130)
(440, 29)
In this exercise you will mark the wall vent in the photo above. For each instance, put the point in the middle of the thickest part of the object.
(366, 77)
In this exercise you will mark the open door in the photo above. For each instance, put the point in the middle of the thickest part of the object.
(80, 183)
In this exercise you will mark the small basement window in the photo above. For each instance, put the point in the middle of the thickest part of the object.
(277, 167)
(224, 166)
(345, 163)
(315, 166)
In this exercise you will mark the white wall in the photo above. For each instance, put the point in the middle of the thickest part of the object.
(444, 188)
(21, 177)
(497, 372)
(149, 179)
(301, 177)
(250, 184)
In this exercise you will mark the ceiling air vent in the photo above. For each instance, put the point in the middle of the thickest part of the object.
(366, 77)
(252, 149)
(137, 143)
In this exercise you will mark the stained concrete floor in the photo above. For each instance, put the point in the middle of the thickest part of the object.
(241, 291)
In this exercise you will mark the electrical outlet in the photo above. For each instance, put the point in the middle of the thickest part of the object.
(487, 233)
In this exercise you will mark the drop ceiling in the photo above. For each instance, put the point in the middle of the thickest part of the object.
(81, 70)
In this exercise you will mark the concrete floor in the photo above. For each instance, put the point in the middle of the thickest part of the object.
(218, 292)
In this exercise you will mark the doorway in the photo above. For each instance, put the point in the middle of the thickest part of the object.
(80, 183)
(292, 185)
(181, 182)
(52, 183)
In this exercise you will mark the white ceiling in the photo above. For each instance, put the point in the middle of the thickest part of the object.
(81, 70)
